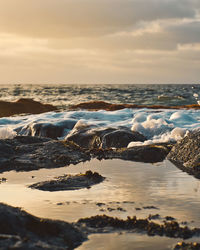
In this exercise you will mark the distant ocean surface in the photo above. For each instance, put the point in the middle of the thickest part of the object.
(157, 125)
(65, 95)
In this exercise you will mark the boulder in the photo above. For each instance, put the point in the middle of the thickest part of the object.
(120, 138)
(49, 130)
(104, 138)
(20, 230)
(186, 154)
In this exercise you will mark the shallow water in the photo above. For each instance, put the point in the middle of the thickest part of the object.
(129, 185)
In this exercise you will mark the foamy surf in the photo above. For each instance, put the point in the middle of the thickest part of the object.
(155, 125)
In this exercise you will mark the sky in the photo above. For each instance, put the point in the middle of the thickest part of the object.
(99, 41)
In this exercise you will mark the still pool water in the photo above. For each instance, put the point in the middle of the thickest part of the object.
(129, 189)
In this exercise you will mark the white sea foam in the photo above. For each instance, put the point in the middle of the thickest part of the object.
(7, 133)
(156, 125)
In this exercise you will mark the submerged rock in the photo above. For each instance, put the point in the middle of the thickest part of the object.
(20, 230)
(186, 154)
(30, 153)
(70, 182)
(24, 105)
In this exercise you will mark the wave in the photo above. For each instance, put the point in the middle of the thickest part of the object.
(157, 125)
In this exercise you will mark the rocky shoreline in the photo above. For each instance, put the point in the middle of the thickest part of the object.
(21, 230)
(31, 153)
(25, 153)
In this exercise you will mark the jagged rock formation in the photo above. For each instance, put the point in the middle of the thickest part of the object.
(186, 154)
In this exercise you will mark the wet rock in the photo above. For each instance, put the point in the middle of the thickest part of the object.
(169, 218)
(103, 138)
(23, 105)
(121, 209)
(99, 105)
(47, 129)
(120, 138)
(85, 138)
(3, 180)
(148, 153)
(169, 229)
(100, 204)
(70, 182)
(30, 153)
(187, 246)
(154, 216)
(186, 154)
(21, 230)
(150, 207)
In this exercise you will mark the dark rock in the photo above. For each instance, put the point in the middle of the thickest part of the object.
(169, 229)
(70, 182)
(81, 138)
(186, 154)
(47, 129)
(23, 105)
(103, 138)
(120, 138)
(148, 153)
(187, 246)
(99, 105)
(150, 207)
(100, 204)
(154, 216)
(21, 230)
(30, 153)
(3, 180)
(121, 209)
(169, 218)
(88, 137)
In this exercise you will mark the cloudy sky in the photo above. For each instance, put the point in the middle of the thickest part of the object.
(99, 41)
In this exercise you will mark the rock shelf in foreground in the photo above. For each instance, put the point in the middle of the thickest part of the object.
(31, 153)
(20, 230)
(25, 153)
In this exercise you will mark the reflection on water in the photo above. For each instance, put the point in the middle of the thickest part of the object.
(129, 241)
(128, 185)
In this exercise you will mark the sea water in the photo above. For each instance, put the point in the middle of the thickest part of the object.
(130, 189)
(161, 125)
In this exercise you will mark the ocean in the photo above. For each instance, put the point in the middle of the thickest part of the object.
(65, 95)
(160, 125)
